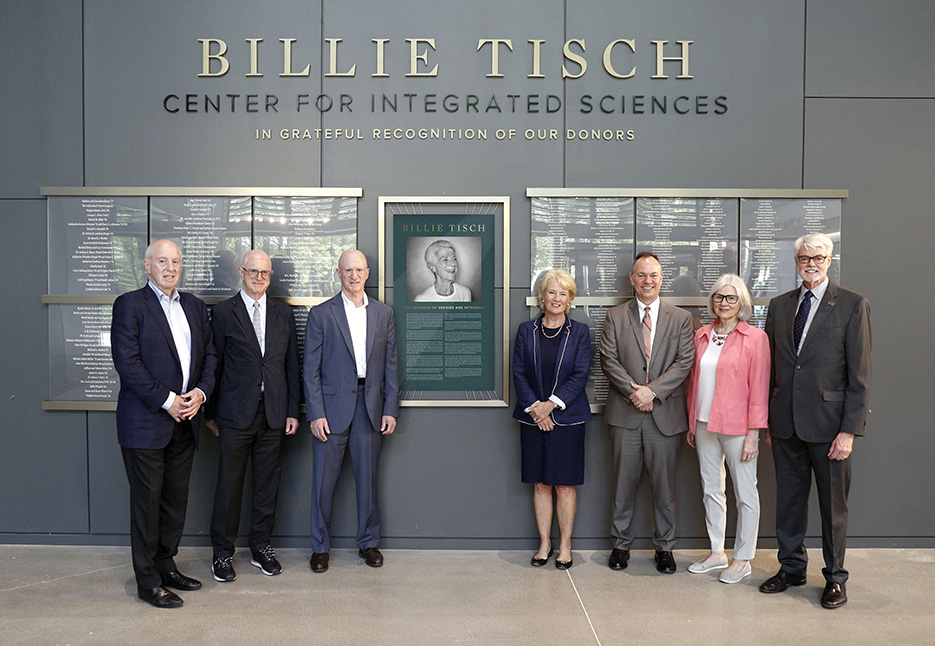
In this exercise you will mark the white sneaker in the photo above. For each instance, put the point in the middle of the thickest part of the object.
(732, 577)
(700, 567)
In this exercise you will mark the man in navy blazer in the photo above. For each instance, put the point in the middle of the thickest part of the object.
(256, 404)
(819, 336)
(352, 396)
(162, 350)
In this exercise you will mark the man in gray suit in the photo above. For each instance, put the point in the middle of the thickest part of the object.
(352, 396)
(647, 349)
(819, 336)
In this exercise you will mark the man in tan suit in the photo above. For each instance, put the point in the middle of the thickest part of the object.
(647, 350)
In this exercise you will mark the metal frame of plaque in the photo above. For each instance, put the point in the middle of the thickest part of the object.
(447, 343)
(697, 233)
(99, 234)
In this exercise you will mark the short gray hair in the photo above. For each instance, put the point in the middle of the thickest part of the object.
(743, 295)
(814, 241)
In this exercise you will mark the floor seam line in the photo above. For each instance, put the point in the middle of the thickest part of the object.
(581, 602)
(60, 578)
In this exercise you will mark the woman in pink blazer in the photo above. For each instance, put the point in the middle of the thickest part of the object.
(728, 404)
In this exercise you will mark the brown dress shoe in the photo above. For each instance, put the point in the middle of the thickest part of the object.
(319, 562)
(371, 556)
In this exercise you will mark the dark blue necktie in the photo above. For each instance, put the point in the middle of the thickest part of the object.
(798, 326)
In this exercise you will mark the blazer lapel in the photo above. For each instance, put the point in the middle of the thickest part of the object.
(824, 308)
(246, 321)
(155, 308)
(636, 322)
(662, 324)
(194, 326)
(791, 305)
(337, 310)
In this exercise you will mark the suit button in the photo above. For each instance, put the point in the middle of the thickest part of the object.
(353, 392)
(798, 367)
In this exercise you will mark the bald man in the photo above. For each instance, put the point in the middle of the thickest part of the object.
(255, 406)
(352, 396)
(162, 350)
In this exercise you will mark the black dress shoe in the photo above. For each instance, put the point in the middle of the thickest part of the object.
(781, 581)
(618, 559)
(319, 562)
(834, 596)
(563, 565)
(159, 597)
(179, 581)
(371, 556)
(223, 569)
(265, 559)
(536, 562)
(665, 562)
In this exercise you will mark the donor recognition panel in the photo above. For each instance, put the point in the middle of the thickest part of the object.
(98, 238)
(698, 234)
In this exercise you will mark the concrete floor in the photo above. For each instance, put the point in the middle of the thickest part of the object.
(87, 595)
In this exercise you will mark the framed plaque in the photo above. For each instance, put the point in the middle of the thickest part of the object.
(443, 269)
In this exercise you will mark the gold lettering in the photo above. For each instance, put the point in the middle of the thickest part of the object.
(414, 56)
(254, 56)
(206, 56)
(495, 54)
(660, 59)
(287, 59)
(333, 68)
(536, 60)
(575, 58)
(609, 66)
(381, 45)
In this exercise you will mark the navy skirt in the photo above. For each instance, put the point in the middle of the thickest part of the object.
(553, 457)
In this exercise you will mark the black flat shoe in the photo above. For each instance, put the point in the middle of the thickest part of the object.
(563, 565)
(540, 562)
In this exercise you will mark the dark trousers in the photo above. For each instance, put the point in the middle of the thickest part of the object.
(158, 500)
(264, 446)
(795, 462)
(364, 443)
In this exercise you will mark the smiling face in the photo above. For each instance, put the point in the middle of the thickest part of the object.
(815, 268)
(163, 265)
(646, 278)
(724, 310)
(353, 273)
(556, 299)
(445, 265)
(258, 262)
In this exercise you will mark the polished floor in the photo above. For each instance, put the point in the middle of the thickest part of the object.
(86, 595)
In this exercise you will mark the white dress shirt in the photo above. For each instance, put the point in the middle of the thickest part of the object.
(357, 322)
(181, 334)
(818, 293)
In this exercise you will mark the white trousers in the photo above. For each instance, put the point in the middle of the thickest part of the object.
(714, 450)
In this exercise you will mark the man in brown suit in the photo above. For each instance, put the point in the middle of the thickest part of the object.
(647, 350)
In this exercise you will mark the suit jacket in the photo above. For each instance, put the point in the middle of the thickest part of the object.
(331, 372)
(571, 372)
(148, 364)
(824, 390)
(623, 361)
(242, 368)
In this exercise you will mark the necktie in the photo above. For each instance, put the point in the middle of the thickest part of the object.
(798, 326)
(258, 326)
(647, 338)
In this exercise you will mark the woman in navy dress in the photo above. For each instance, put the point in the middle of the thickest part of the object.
(551, 365)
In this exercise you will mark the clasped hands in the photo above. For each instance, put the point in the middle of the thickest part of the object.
(541, 413)
(642, 397)
(186, 406)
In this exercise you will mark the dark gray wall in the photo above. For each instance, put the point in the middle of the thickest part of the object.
(822, 94)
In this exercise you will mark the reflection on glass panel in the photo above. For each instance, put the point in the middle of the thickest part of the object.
(213, 234)
(770, 227)
(96, 244)
(590, 237)
(304, 237)
(696, 240)
(80, 364)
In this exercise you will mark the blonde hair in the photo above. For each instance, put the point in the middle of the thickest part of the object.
(743, 295)
(564, 280)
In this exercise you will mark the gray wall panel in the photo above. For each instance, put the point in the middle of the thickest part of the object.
(40, 106)
(888, 234)
(867, 48)
(44, 472)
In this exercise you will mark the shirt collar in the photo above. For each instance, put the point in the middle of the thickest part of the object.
(248, 301)
(160, 294)
(350, 304)
(818, 291)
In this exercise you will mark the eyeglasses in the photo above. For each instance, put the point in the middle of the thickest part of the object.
(804, 260)
(262, 273)
(730, 298)
(353, 271)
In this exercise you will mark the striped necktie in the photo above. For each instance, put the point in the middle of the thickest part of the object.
(647, 338)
